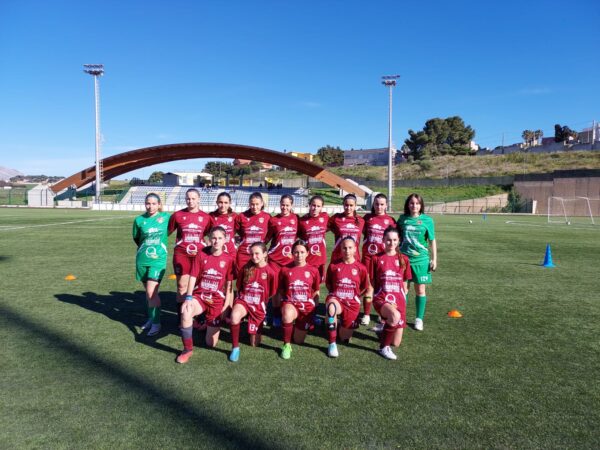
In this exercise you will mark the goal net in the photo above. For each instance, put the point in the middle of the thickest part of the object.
(570, 209)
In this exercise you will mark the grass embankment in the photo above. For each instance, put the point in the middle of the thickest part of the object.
(519, 370)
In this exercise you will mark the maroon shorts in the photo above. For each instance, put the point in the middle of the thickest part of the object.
(182, 264)
(212, 305)
(256, 315)
(397, 301)
(305, 314)
(349, 314)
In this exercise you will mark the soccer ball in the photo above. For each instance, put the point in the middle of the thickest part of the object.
(470, 221)
(568, 223)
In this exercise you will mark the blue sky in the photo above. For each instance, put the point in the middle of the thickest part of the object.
(285, 75)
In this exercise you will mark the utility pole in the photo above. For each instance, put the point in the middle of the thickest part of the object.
(96, 70)
(390, 82)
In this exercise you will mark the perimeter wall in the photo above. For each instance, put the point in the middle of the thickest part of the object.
(562, 183)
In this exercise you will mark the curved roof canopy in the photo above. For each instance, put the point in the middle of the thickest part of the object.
(126, 162)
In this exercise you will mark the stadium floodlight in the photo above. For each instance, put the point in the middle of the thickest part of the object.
(390, 82)
(96, 70)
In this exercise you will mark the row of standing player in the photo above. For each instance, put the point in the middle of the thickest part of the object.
(205, 274)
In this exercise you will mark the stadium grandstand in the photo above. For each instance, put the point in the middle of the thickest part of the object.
(174, 196)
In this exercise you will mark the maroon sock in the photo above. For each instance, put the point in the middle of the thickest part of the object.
(235, 335)
(288, 330)
(187, 339)
(188, 344)
(367, 307)
(387, 336)
(332, 335)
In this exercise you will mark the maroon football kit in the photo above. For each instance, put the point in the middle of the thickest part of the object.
(282, 232)
(388, 283)
(312, 230)
(251, 228)
(343, 226)
(254, 294)
(375, 225)
(227, 222)
(191, 230)
(345, 282)
(212, 273)
(298, 286)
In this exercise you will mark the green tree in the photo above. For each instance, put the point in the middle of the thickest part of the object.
(218, 168)
(448, 136)
(156, 177)
(563, 133)
(331, 156)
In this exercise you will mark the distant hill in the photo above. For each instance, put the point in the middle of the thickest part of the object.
(6, 173)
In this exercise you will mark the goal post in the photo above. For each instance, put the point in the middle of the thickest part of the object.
(566, 209)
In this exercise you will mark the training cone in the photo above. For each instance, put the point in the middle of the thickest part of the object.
(70, 277)
(455, 314)
(172, 277)
(548, 258)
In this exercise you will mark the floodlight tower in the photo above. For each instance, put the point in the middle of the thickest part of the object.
(390, 82)
(96, 70)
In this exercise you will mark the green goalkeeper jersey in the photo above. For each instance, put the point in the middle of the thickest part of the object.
(416, 231)
(151, 236)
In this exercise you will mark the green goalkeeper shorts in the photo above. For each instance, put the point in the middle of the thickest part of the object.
(420, 273)
(149, 273)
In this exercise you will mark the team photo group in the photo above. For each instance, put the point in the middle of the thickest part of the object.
(230, 267)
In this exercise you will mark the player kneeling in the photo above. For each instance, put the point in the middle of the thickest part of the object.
(346, 281)
(256, 284)
(299, 287)
(209, 290)
(390, 272)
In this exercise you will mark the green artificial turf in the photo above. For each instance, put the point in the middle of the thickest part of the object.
(519, 370)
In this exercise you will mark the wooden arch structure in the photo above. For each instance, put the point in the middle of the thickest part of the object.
(126, 162)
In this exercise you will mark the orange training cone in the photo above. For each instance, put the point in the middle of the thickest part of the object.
(455, 314)
(172, 277)
(70, 277)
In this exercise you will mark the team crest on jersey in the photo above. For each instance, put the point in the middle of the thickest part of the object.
(261, 219)
(307, 274)
(419, 222)
(200, 219)
(222, 264)
(279, 222)
(354, 272)
(263, 276)
(160, 220)
(230, 219)
(398, 263)
(386, 221)
(293, 222)
(321, 220)
(184, 218)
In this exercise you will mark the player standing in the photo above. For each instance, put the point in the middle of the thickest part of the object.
(224, 217)
(251, 226)
(192, 225)
(299, 287)
(282, 232)
(344, 224)
(346, 280)
(209, 290)
(376, 223)
(312, 229)
(390, 272)
(418, 243)
(256, 284)
(150, 234)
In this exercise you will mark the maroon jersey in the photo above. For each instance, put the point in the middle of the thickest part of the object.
(299, 284)
(251, 228)
(191, 230)
(312, 230)
(346, 281)
(373, 232)
(342, 227)
(226, 221)
(259, 288)
(282, 233)
(388, 277)
(212, 273)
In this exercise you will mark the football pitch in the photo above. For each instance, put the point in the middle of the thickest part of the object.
(521, 369)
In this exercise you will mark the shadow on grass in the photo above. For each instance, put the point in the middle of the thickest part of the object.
(4, 258)
(128, 308)
(198, 419)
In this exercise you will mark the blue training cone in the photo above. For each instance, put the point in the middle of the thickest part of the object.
(548, 257)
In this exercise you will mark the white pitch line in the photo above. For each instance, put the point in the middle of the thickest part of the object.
(63, 223)
(571, 227)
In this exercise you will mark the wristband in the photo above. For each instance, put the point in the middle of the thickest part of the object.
(189, 298)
